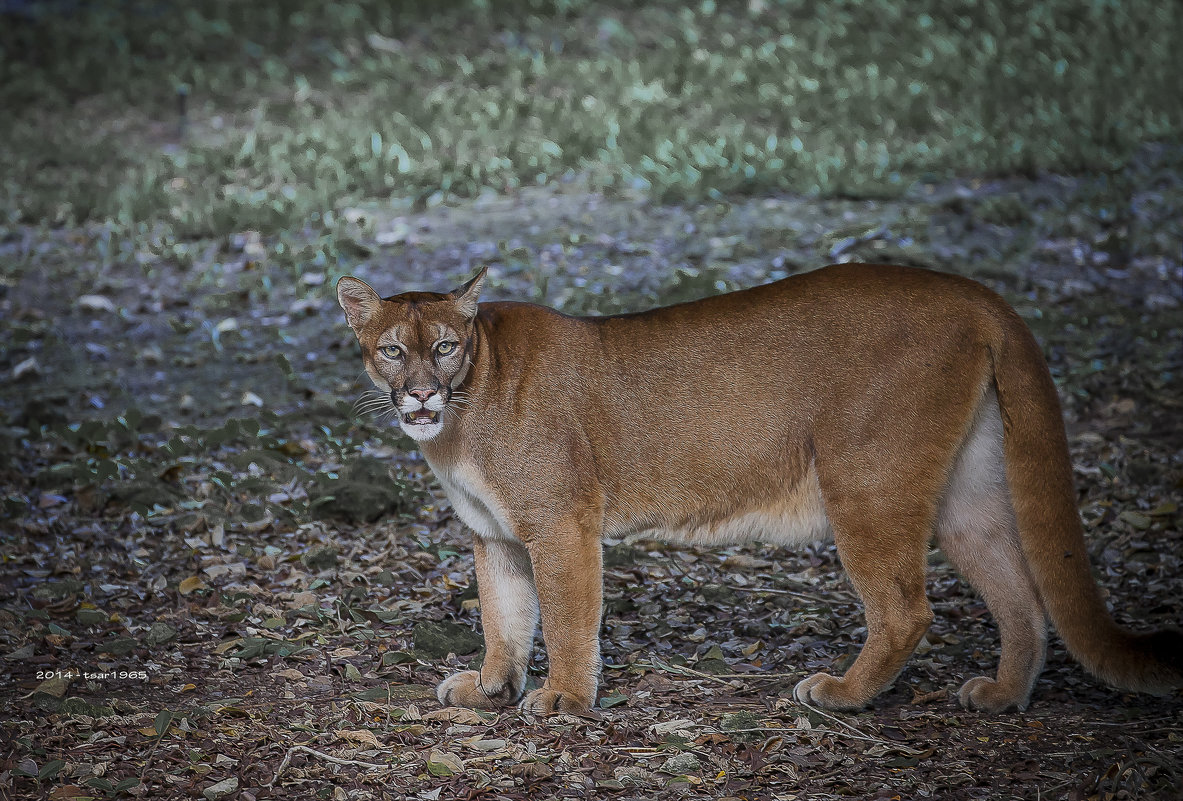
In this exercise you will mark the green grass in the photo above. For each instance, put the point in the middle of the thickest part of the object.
(298, 110)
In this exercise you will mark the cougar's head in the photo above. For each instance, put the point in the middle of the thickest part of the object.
(417, 348)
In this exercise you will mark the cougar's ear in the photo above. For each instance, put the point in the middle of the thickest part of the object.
(358, 300)
(466, 297)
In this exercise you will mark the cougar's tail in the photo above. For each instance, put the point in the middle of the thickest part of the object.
(1039, 473)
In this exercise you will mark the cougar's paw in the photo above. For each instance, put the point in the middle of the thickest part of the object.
(987, 695)
(826, 691)
(544, 701)
(466, 689)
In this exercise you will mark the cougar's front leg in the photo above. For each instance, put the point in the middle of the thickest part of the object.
(568, 571)
(509, 616)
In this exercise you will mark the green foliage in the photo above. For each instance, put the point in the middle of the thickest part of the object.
(300, 109)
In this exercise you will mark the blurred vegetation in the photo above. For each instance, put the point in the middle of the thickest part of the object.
(296, 110)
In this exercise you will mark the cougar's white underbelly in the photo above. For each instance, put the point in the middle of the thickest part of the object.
(797, 517)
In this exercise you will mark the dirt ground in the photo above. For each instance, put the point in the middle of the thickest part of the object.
(261, 608)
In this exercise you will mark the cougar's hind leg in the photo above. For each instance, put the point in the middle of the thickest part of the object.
(977, 531)
(884, 555)
(991, 562)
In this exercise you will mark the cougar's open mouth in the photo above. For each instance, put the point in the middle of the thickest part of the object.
(421, 417)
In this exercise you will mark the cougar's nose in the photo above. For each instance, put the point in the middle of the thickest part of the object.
(421, 394)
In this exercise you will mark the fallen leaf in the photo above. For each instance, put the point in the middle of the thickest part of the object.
(361, 736)
(455, 714)
(740, 561)
(24, 652)
(191, 585)
(51, 769)
(49, 500)
(305, 598)
(532, 771)
(291, 674)
(926, 698)
(443, 763)
(163, 721)
(56, 686)
(256, 526)
(609, 701)
(748, 650)
(671, 726)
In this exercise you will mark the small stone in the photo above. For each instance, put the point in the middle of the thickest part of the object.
(120, 646)
(681, 764)
(91, 617)
(638, 777)
(1158, 301)
(322, 558)
(26, 369)
(221, 789)
(160, 633)
(79, 706)
(26, 651)
(437, 640)
(95, 303)
(57, 590)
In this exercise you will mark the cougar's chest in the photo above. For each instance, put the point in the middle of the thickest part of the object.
(473, 499)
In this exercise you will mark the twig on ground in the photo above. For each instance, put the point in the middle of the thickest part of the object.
(684, 671)
(793, 593)
(722, 677)
(327, 757)
(861, 734)
(832, 732)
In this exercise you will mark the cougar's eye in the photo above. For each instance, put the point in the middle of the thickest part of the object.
(392, 352)
(444, 348)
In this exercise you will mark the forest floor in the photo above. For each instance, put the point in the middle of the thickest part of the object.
(218, 581)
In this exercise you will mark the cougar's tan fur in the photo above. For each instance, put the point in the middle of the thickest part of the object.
(879, 406)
